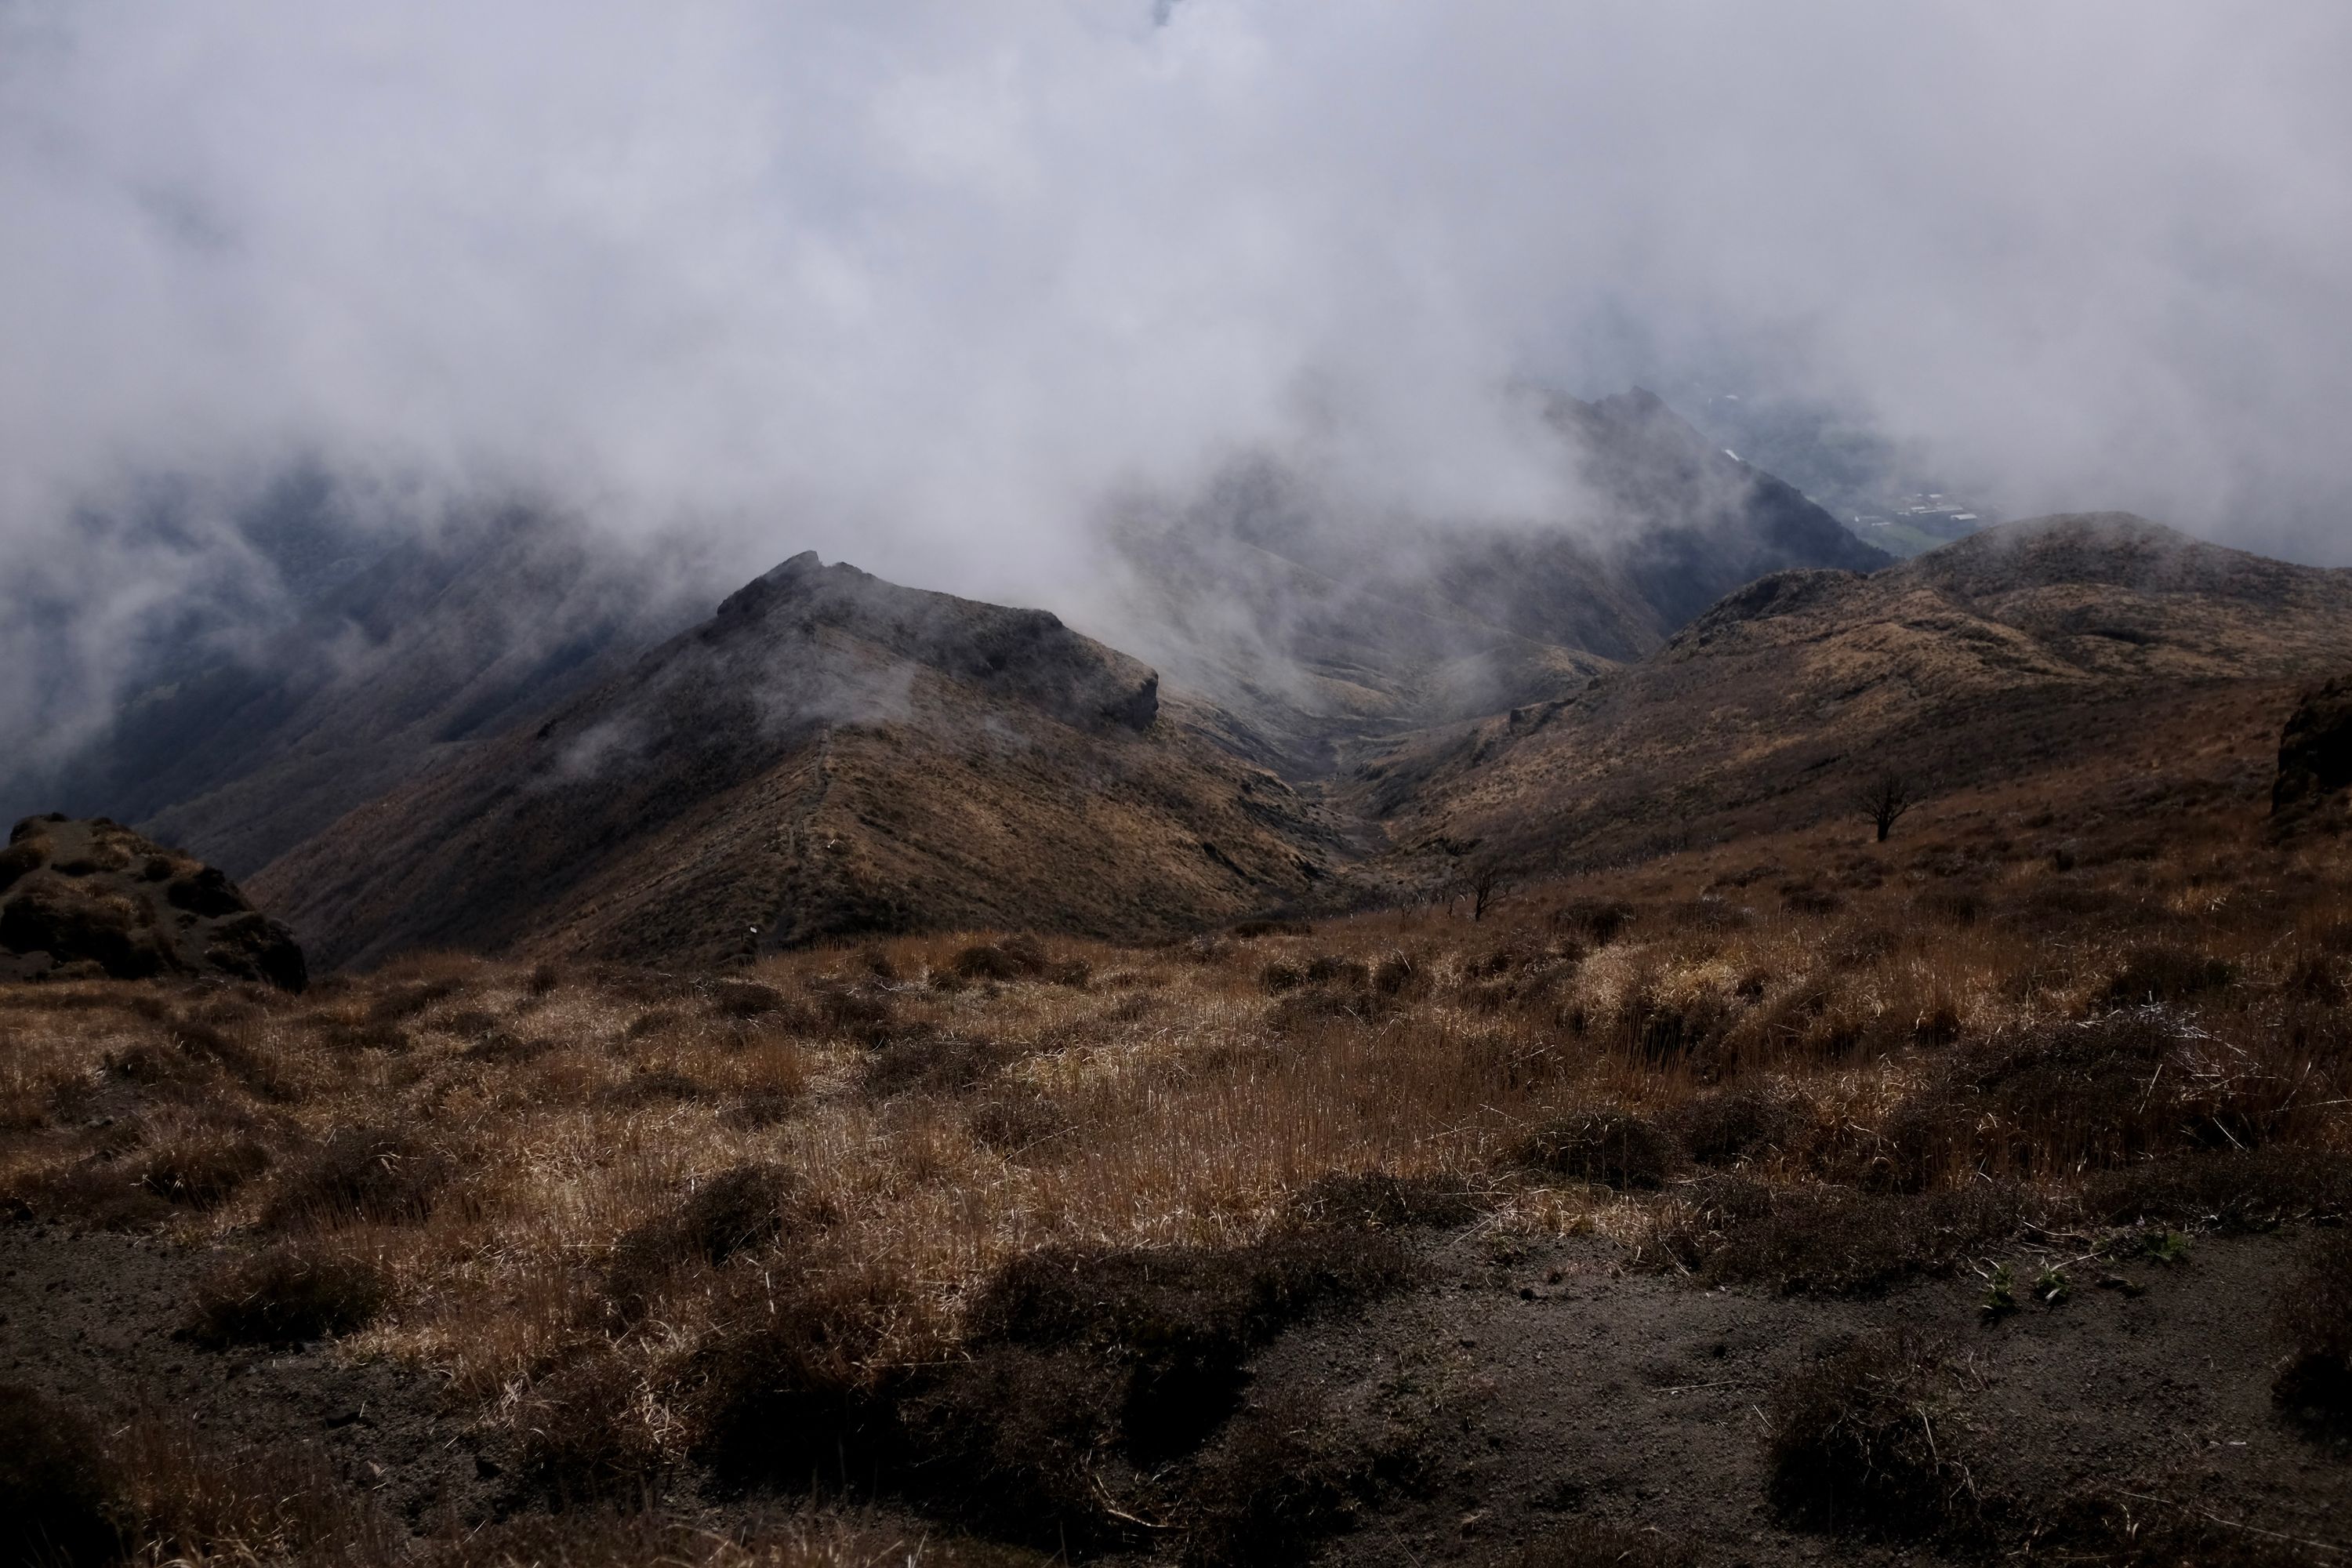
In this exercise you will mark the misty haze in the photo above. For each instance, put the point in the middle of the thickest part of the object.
(1197, 783)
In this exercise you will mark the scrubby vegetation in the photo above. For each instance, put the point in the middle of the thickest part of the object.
(991, 1227)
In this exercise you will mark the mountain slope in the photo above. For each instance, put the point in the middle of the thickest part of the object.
(425, 647)
(1320, 627)
(828, 754)
(2023, 648)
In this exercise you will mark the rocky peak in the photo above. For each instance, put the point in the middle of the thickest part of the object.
(1024, 655)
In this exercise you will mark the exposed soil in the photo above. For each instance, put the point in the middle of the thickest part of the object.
(1558, 1384)
(1527, 1388)
(91, 1319)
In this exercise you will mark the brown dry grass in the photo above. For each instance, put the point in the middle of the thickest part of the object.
(2084, 1024)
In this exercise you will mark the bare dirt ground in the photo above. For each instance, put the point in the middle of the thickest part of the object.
(1529, 1386)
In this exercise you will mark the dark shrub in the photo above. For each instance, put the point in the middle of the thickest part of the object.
(1280, 1479)
(1662, 1030)
(1015, 1122)
(1831, 1241)
(789, 1390)
(1727, 1126)
(746, 999)
(2059, 1099)
(1082, 1356)
(287, 1295)
(585, 1440)
(2166, 974)
(859, 1015)
(1374, 1200)
(361, 1174)
(1281, 975)
(1394, 975)
(733, 1212)
(400, 1002)
(1013, 959)
(1800, 899)
(1861, 1443)
(2251, 1191)
(203, 1175)
(1303, 1010)
(1325, 969)
(2314, 1384)
(1610, 1146)
(1181, 1319)
(1268, 927)
(61, 1499)
(1599, 920)
(939, 1064)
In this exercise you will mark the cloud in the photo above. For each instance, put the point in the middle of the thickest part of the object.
(918, 285)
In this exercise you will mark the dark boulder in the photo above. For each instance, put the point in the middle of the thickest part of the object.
(85, 900)
(2314, 765)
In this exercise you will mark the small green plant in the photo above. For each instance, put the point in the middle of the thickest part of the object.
(2051, 1287)
(2169, 1247)
(2000, 1294)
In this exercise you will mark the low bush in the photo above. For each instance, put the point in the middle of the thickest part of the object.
(1831, 1241)
(1279, 1480)
(1375, 1200)
(202, 1173)
(734, 1212)
(2314, 1315)
(586, 1438)
(1084, 1356)
(2227, 1190)
(1610, 1146)
(1726, 1127)
(790, 1387)
(934, 1064)
(1864, 1443)
(287, 1295)
(1016, 958)
(61, 1500)
(2167, 974)
(360, 1175)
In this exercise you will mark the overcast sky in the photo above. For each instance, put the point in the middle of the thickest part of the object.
(918, 283)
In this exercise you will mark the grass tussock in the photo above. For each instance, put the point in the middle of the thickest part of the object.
(1865, 1443)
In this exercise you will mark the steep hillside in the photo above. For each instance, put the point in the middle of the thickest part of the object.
(1321, 626)
(829, 754)
(2022, 649)
(248, 745)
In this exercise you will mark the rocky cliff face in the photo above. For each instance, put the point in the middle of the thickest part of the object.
(81, 900)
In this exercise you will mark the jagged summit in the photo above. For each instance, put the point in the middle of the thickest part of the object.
(1024, 655)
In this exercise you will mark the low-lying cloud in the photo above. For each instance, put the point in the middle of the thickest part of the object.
(921, 284)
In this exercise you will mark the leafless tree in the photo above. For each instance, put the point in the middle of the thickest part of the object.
(1475, 871)
(1884, 799)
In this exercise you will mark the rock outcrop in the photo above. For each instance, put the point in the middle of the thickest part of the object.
(2314, 763)
(86, 899)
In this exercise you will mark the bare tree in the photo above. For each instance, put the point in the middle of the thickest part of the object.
(1472, 872)
(1884, 799)
(1482, 878)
